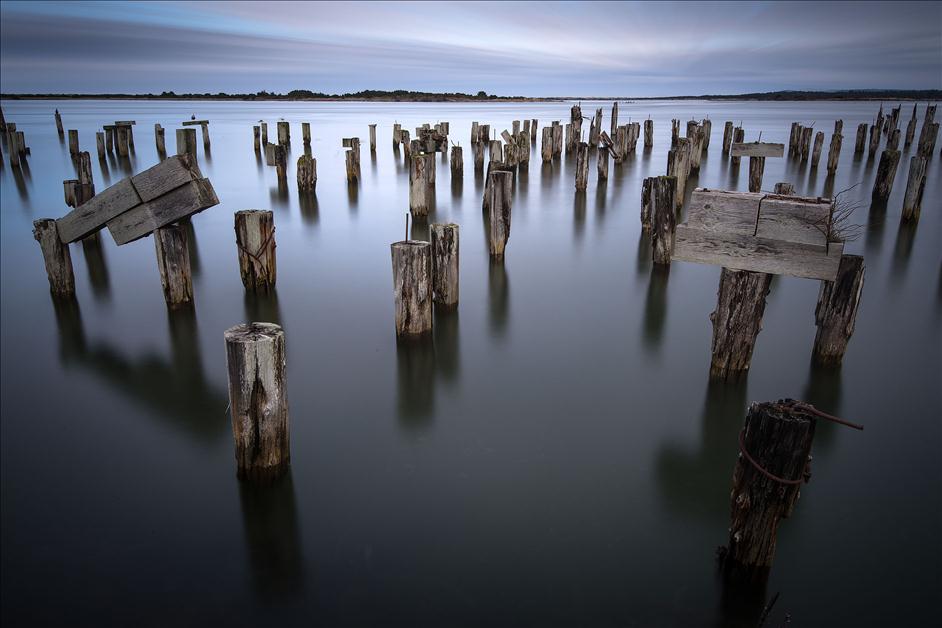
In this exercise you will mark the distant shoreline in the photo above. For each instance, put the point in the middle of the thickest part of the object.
(386, 97)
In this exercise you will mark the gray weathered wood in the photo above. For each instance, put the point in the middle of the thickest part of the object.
(547, 148)
(614, 124)
(756, 169)
(173, 262)
(707, 126)
(498, 204)
(444, 241)
(875, 132)
(457, 162)
(258, 400)
(100, 143)
(582, 166)
(804, 144)
(784, 188)
(778, 438)
(372, 137)
(738, 135)
(56, 256)
(73, 142)
(834, 152)
(648, 133)
(757, 149)
(602, 164)
(420, 187)
(186, 141)
(397, 135)
(257, 138)
(89, 217)
(816, 150)
(861, 138)
(160, 140)
(255, 241)
(727, 137)
(122, 140)
(284, 133)
(910, 129)
(678, 160)
(915, 186)
(412, 287)
(307, 173)
(737, 321)
(168, 175)
(306, 134)
(663, 222)
(533, 125)
(176, 205)
(695, 137)
(886, 174)
(59, 123)
(264, 130)
(836, 311)
(892, 139)
(110, 138)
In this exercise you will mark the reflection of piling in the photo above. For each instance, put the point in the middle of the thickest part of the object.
(73, 142)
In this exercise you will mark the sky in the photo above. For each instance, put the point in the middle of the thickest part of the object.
(526, 49)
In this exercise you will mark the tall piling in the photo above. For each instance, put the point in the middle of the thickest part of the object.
(582, 166)
(836, 311)
(728, 137)
(915, 186)
(173, 262)
(56, 256)
(307, 173)
(499, 209)
(886, 173)
(444, 242)
(663, 220)
(412, 287)
(737, 321)
(834, 152)
(816, 151)
(255, 241)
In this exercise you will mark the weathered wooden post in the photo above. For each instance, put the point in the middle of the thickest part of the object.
(406, 144)
(737, 321)
(648, 133)
(582, 165)
(707, 126)
(498, 205)
(352, 158)
(280, 159)
(256, 138)
(915, 185)
(255, 360)
(678, 160)
(793, 136)
(128, 125)
(56, 256)
(834, 152)
(264, 126)
(204, 130)
(173, 261)
(100, 143)
(663, 220)
(255, 240)
(186, 141)
(739, 134)
(160, 139)
(614, 124)
(886, 173)
(927, 140)
(444, 241)
(420, 188)
(602, 164)
(575, 120)
(774, 459)
(412, 287)
(58, 123)
(372, 138)
(397, 135)
(73, 142)
(595, 127)
(557, 139)
(816, 151)
(784, 188)
(675, 132)
(109, 137)
(695, 137)
(547, 149)
(875, 131)
(496, 151)
(533, 125)
(805, 148)
(911, 129)
(457, 162)
(307, 173)
(836, 311)
(284, 133)
(728, 137)
(523, 148)
(892, 139)
(861, 138)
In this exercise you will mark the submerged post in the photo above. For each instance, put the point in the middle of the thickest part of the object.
(457, 162)
(73, 142)
(547, 148)
(420, 186)
(100, 143)
(774, 458)
(663, 221)
(728, 137)
(739, 135)
(160, 139)
(412, 287)
(816, 151)
(307, 173)
(256, 138)
(737, 321)
(255, 239)
(582, 166)
(886, 173)
(498, 203)
(915, 186)
(861, 138)
(58, 123)
(258, 399)
(56, 256)
(648, 133)
(306, 133)
(173, 262)
(186, 141)
(834, 152)
(756, 169)
(836, 311)
(444, 241)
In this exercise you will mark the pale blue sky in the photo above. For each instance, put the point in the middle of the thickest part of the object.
(530, 49)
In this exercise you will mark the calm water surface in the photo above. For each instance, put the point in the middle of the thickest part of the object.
(555, 457)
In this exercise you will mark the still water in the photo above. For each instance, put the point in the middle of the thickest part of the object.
(555, 457)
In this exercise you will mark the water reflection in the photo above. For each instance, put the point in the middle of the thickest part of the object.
(261, 306)
(876, 221)
(419, 230)
(279, 194)
(307, 201)
(97, 268)
(578, 215)
(498, 292)
(415, 373)
(903, 249)
(655, 307)
(742, 598)
(353, 195)
(173, 390)
(192, 246)
(823, 391)
(447, 347)
(645, 253)
(457, 187)
(20, 182)
(272, 538)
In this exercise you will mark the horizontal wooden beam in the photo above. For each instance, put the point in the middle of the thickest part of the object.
(92, 215)
(172, 207)
(757, 149)
(195, 122)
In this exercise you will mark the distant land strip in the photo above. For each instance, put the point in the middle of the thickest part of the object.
(481, 96)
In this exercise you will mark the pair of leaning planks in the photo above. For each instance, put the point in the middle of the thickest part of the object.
(138, 205)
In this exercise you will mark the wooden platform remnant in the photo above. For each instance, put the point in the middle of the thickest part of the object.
(136, 206)
(766, 233)
(757, 149)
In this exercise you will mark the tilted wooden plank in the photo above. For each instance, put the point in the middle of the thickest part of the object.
(757, 254)
(168, 175)
(507, 137)
(142, 220)
(757, 149)
(125, 122)
(92, 215)
(194, 122)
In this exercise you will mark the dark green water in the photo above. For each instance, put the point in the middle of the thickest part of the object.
(555, 457)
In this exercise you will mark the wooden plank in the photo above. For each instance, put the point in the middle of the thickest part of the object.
(91, 216)
(195, 122)
(757, 254)
(803, 223)
(166, 176)
(757, 149)
(507, 138)
(142, 220)
(125, 122)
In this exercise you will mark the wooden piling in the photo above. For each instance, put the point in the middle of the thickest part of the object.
(100, 143)
(160, 139)
(406, 143)
(496, 151)
(816, 151)
(110, 140)
(927, 141)
(739, 134)
(737, 321)
(595, 127)
(886, 173)
(412, 287)
(793, 138)
(264, 126)
(892, 139)
(756, 169)
(547, 149)
(397, 136)
(647, 203)
(56, 256)
(875, 131)
(675, 132)
(774, 459)
(834, 152)
(352, 160)
(927, 121)
(728, 137)
(910, 129)
(648, 133)
(678, 160)
(784, 188)
(280, 158)
(173, 262)
(663, 221)
(915, 186)
(839, 126)
(58, 123)
(602, 164)
(307, 173)
(533, 125)
(444, 241)
(186, 141)
(372, 138)
(204, 130)
(861, 138)
(457, 162)
(707, 126)
(499, 209)
(582, 165)
(575, 120)
(73, 142)
(614, 124)
(255, 241)
(836, 311)
(255, 361)
(256, 138)
(420, 187)
(804, 147)
(284, 133)
(306, 134)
